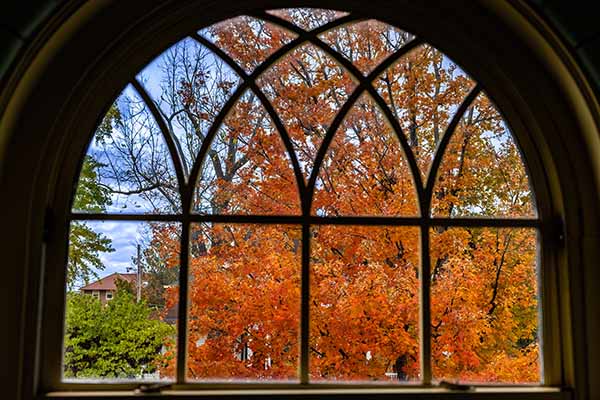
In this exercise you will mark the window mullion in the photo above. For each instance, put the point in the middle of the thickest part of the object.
(425, 307)
(305, 305)
(183, 301)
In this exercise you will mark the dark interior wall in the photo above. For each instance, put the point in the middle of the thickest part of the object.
(21, 22)
(576, 22)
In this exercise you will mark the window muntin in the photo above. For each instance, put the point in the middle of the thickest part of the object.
(313, 163)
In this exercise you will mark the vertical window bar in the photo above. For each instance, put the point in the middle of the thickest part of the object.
(305, 305)
(425, 307)
(183, 300)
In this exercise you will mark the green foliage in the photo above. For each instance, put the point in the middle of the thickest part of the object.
(125, 286)
(112, 118)
(90, 195)
(85, 245)
(116, 340)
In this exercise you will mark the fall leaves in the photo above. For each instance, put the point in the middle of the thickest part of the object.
(291, 148)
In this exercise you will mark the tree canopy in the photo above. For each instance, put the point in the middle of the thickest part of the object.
(86, 245)
(116, 340)
(272, 154)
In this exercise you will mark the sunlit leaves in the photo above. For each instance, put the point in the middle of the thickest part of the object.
(115, 342)
(484, 305)
(364, 304)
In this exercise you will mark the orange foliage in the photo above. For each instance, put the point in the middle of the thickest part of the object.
(244, 314)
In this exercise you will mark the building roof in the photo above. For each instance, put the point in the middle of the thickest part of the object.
(109, 282)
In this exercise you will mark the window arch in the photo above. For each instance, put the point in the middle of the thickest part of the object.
(410, 180)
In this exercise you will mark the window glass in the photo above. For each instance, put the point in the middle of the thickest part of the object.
(244, 297)
(128, 168)
(189, 85)
(366, 43)
(133, 336)
(484, 305)
(319, 208)
(308, 18)
(364, 304)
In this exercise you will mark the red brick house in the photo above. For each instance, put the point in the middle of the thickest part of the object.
(104, 289)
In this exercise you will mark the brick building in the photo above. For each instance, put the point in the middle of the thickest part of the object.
(104, 289)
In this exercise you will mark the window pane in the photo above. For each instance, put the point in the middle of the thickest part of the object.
(127, 168)
(367, 43)
(247, 40)
(423, 90)
(131, 336)
(365, 171)
(482, 173)
(364, 304)
(307, 18)
(484, 305)
(190, 85)
(307, 88)
(247, 169)
(244, 296)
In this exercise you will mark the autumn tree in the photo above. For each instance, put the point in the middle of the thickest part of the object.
(116, 340)
(86, 245)
(244, 293)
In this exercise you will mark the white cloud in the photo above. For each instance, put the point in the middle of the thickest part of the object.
(125, 236)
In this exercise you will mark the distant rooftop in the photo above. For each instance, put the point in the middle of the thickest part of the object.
(109, 282)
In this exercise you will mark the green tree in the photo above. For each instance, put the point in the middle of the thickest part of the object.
(85, 244)
(116, 340)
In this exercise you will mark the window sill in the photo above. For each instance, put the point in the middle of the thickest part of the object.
(480, 393)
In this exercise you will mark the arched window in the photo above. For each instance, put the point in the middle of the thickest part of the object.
(304, 196)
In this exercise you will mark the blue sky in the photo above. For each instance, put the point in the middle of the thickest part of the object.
(125, 236)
